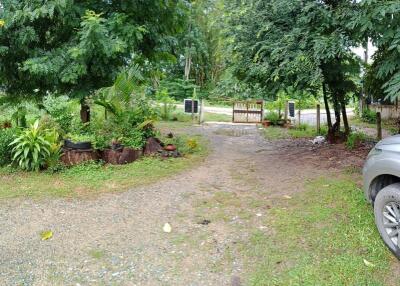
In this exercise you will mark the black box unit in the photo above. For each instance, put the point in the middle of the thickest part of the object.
(188, 106)
(291, 109)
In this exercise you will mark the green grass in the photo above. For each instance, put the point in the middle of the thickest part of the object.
(276, 133)
(92, 178)
(217, 117)
(320, 237)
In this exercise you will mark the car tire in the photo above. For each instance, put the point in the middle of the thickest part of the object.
(389, 197)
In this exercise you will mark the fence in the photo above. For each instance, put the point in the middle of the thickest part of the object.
(387, 111)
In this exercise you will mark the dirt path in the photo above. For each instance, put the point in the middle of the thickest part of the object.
(117, 239)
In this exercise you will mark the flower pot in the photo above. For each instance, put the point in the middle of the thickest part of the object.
(266, 123)
(170, 148)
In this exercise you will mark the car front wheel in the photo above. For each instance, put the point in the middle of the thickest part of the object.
(387, 217)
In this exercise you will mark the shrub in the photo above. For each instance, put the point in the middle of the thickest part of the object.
(136, 139)
(53, 159)
(31, 149)
(368, 116)
(60, 110)
(273, 117)
(355, 139)
(6, 138)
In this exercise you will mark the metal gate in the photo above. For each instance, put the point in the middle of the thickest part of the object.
(248, 111)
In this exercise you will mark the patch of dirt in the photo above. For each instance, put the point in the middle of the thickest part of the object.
(213, 210)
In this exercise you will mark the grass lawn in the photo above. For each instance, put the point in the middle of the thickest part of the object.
(321, 237)
(276, 133)
(217, 117)
(93, 178)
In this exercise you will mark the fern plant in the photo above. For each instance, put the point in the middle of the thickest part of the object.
(31, 149)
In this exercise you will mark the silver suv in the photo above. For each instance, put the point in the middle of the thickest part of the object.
(382, 188)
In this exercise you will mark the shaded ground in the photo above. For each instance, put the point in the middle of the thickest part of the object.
(214, 210)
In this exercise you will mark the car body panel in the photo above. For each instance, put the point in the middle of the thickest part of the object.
(384, 159)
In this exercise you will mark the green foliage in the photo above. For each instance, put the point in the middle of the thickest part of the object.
(61, 111)
(79, 47)
(297, 46)
(52, 162)
(355, 139)
(19, 116)
(179, 89)
(167, 104)
(378, 20)
(31, 149)
(273, 117)
(135, 139)
(76, 138)
(368, 116)
(6, 138)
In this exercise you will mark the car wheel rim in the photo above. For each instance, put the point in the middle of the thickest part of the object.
(391, 222)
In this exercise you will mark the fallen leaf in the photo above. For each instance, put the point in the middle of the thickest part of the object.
(167, 228)
(45, 235)
(369, 264)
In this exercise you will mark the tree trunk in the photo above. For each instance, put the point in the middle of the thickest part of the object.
(337, 110)
(334, 131)
(85, 112)
(344, 114)
(188, 66)
(328, 111)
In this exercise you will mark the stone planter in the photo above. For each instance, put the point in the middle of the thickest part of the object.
(153, 146)
(121, 156)
(73, 157)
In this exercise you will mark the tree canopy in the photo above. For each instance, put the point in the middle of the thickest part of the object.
(79, 46)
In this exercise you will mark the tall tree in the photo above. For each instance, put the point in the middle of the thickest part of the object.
(302, 44)
(379, 20)
(78, 46)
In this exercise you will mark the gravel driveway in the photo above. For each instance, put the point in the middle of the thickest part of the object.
(118, 239)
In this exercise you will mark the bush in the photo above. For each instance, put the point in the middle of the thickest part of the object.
(355, 139)
(368, 116)
(6, 138)
(273, 117)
